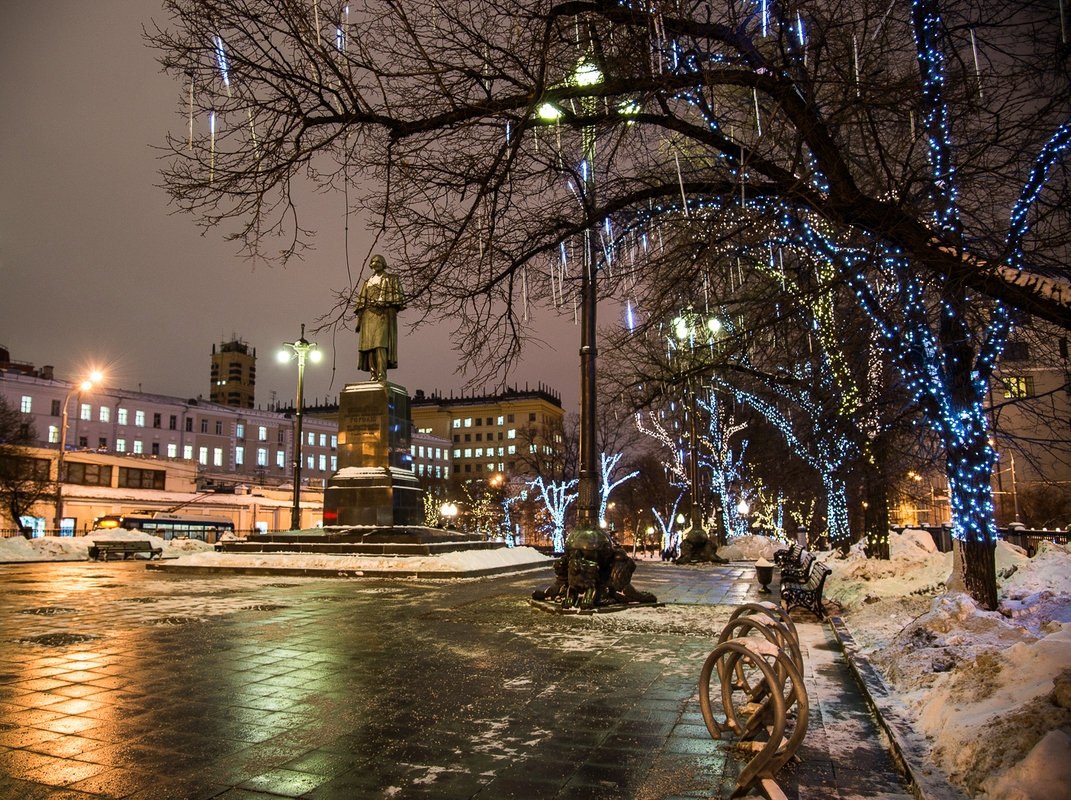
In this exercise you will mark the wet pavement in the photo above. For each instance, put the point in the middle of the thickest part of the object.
(120, 682)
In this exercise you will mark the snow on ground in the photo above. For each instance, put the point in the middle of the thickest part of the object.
(990, 690)
(191, 552)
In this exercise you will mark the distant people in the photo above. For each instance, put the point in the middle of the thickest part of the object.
(377, 307)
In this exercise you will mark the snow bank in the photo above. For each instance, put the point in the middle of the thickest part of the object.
(76, 548)
(978, 684)
(461, 561)
(750, 548)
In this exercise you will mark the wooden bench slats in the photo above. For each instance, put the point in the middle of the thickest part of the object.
(102, 549)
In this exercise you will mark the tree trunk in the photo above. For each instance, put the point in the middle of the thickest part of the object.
(876, 514)
(840, 535)
(970, 462)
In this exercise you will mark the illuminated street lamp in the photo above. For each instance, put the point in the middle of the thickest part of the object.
(692, 335)
(84, 385)
(448, 511)
(586, 74)
(300, 349)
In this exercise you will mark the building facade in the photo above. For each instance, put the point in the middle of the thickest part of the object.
(234, 374)
(506, 433)
(230, 446)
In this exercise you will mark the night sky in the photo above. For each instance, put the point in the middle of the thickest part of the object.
(97, 270)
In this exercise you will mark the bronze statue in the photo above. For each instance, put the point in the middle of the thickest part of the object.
(377, 307)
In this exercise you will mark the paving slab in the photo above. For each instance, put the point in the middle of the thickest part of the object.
(116, 681)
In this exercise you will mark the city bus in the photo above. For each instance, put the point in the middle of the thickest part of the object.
(168, 526)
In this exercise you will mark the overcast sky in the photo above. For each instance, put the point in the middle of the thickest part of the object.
(96, 270)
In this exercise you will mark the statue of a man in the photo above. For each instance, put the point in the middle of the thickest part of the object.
(377, 307)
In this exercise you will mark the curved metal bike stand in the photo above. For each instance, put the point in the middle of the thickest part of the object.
(762, 695)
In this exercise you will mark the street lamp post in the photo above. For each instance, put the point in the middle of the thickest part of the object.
(83, 386)
(301, 349)
(689, 334)
(586, 73)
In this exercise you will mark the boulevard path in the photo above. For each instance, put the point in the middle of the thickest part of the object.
(120, 682)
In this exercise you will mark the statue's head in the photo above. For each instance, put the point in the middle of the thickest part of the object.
(378, 263)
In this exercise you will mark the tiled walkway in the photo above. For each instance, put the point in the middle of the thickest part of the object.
(118, 682)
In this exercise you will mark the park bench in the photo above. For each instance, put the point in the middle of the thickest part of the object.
(802, 584)
(103, 550)
(788, 556)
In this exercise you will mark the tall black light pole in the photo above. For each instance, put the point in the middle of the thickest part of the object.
(300, 349)
(692, 334)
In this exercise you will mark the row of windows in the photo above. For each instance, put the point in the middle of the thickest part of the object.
(479, 467)
(123, 418)
(510, 434)
(468, 452)
(429, 471)
(468, 422)
(101, 475)
(432, 452)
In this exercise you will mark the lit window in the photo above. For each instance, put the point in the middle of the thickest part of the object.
(1018, 386)
(120, 445)
(280, 458)
(239, 455)
(139, 419)
(468, 422)
(334, 442)
(217, 456)
(262, 434)
(310, 462)
(455, 423)
(262, 456)
(139, 448)
(202, 456)
(323, 440)
(511, 433)
(468, 452)
(105, 414)
(53, 434)
(122, 417)
(457, 453)
(511, 450)
(312, 439)
(187, 452)
(26, 405)
(501, 420)
(172, 450)
(323, 463)
(334, 462)
(86, 412)
(479, 452)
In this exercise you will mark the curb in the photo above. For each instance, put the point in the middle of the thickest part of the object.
(909, 749)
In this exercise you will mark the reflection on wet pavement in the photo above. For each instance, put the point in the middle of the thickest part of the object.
(119, 682)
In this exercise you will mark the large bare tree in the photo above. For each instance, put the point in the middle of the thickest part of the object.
(508, 150)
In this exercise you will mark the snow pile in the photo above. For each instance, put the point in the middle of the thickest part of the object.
(461, 561)
(76, 548)
(750, 548)
(991, 690)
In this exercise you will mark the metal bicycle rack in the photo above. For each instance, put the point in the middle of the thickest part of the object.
(763, 700)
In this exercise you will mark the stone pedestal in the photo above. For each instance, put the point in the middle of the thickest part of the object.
(374, 484)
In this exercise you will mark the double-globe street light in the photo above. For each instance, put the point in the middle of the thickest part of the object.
(87, 383)
(586, 74)
(694, 333)
(301, 349)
